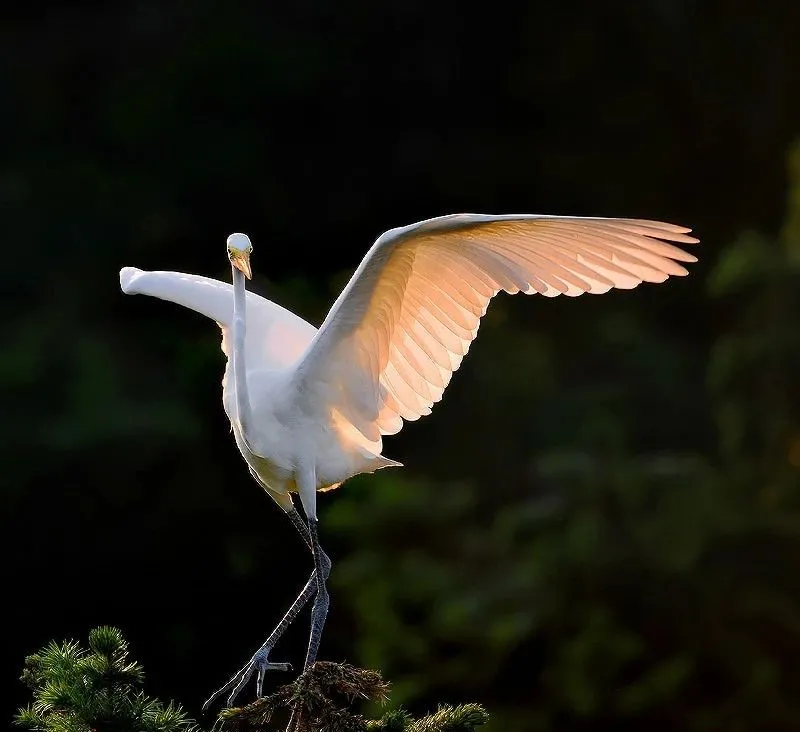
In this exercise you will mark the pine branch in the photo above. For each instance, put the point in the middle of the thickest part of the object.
(463, 718)
(99, 688)
(322, 698)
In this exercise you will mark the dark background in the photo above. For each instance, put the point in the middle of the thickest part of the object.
(598, 528)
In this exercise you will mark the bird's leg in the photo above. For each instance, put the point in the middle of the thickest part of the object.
(322, 565)
(322, 568)
(260, 659)
(319, 611)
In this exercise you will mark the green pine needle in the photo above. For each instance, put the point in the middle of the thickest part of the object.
(325, 698)
(396, 720)
(99, 688)
(107, 641)
(463, 718)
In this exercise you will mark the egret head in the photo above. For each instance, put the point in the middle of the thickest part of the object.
(239, 250)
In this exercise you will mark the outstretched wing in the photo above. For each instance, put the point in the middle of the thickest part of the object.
(406, 318)
(276, 337)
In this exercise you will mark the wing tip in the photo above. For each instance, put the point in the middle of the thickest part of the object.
(127, 279)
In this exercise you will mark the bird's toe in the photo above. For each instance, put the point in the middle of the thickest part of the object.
(258, 664)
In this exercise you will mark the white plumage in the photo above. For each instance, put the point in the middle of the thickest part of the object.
(313, 405)
(400, 328)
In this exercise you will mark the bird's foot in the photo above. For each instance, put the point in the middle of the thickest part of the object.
(260, 664)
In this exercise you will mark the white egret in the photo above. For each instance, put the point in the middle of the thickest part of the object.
(309, 407)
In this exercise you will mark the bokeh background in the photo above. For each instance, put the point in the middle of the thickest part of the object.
(598, 528)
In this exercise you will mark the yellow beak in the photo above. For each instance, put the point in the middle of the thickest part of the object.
(241, 260)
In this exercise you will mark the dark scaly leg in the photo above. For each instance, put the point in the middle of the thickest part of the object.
(322, 569)
(260, 660)
(307, 488)
(319, 611)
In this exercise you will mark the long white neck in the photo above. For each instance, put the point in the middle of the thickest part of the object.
(244, 413)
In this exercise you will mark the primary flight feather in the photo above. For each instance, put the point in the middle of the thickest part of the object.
(309, 407)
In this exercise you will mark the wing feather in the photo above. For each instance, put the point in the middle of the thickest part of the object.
(402, 325)
(277, 338)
